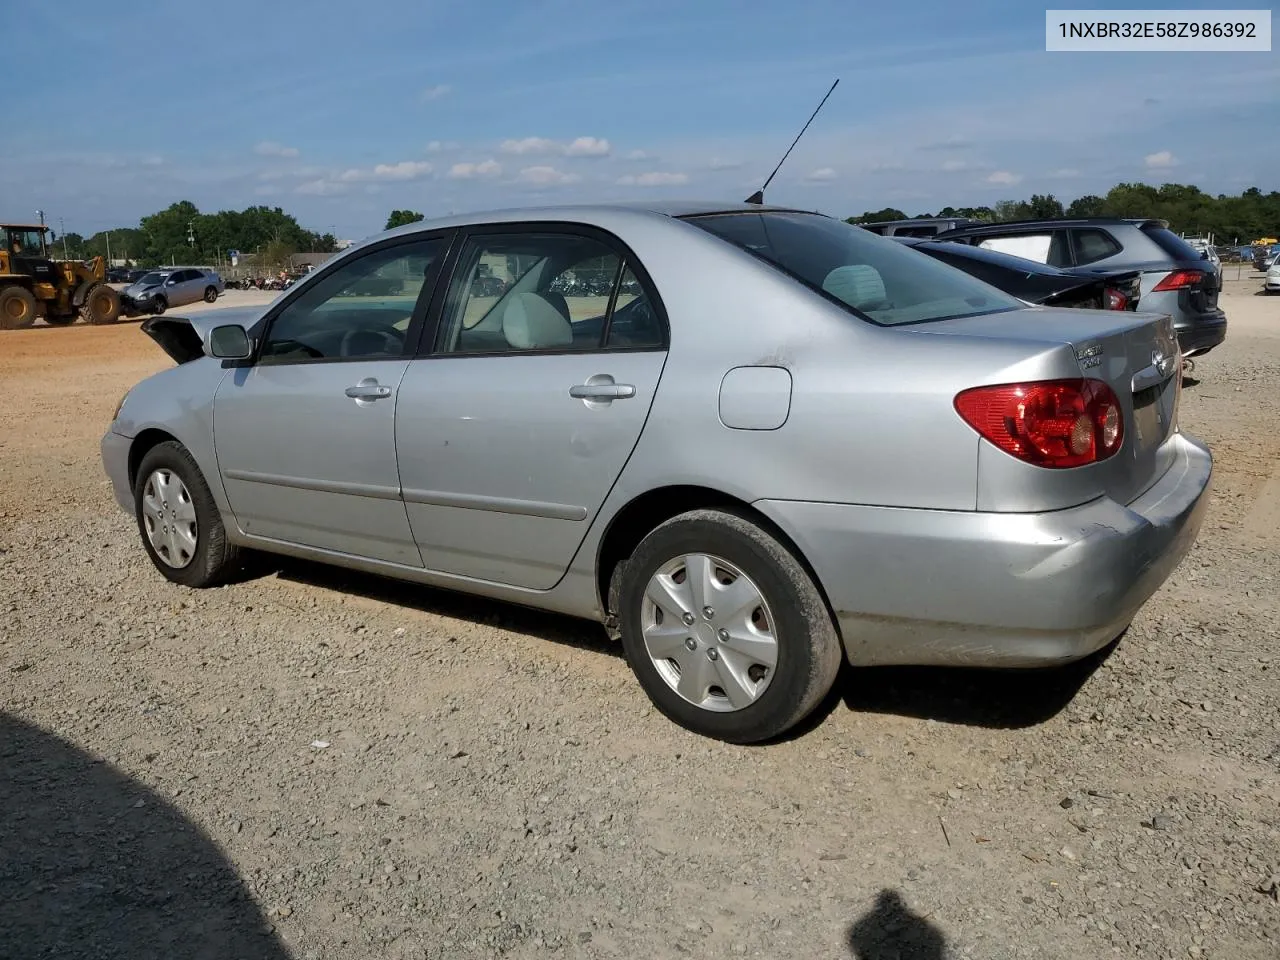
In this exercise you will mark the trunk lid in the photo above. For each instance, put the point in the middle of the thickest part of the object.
(1136, 354)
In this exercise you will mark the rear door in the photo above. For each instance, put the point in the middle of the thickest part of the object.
(516, 422)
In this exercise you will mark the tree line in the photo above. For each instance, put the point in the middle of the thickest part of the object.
(182, 234)
(1188, 209)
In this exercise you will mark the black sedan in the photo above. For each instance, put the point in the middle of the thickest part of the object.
(1036, 283)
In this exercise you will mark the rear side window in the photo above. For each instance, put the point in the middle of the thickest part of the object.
(874, 277)
(1171, 243)
(1093, 245)
(1049, 246)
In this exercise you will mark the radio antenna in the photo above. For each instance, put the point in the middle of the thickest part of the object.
(758, 196)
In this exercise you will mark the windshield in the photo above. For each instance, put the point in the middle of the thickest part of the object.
(153, 279)
(876, 278)
(27, 243)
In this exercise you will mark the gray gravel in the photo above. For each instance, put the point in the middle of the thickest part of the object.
(315, 764)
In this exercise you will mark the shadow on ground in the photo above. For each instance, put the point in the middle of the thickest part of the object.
(569, 631)
(891, 931)
(1003, 699)
(95, 865)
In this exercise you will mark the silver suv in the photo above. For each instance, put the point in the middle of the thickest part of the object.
(174, 287)
(1176, 279)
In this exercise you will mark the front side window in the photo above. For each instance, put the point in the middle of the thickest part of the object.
(361, 310)
(26, 243)
(877, 278)
(543, 292)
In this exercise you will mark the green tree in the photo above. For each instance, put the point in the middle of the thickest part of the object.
(1044, 206)
(1006, 210)
(276, 254)
(1087, 206)
(399, 218)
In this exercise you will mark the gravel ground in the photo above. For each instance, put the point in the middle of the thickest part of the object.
(315, 764)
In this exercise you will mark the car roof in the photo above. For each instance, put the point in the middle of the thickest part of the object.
(1057, 222)
(587, 213)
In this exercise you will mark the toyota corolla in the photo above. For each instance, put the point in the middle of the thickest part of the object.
(750, 441)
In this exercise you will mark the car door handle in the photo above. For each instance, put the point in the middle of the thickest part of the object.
(602, 391)
(368, 390)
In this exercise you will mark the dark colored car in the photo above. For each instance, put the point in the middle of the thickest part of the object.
(1175, 278)
(1034, 282)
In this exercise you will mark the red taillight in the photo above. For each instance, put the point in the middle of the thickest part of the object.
(1178, 280)
(1116, 300)
(1050, 423)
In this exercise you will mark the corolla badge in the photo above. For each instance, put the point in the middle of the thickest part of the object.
(1090, 356)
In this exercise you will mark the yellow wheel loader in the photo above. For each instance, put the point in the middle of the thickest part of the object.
(34, 286)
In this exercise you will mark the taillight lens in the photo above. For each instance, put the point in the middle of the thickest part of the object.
(1049, 423)
(1178, 280)
(1116, 300)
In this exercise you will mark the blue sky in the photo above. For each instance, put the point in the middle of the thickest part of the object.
(341, 111)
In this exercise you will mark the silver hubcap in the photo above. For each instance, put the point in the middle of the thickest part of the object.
(169, 517)
(708, 630)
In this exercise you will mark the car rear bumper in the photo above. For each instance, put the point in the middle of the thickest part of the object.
(1202, 334)
(935, 587)
(115, 461)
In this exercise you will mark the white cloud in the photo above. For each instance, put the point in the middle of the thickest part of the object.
(1005, 178)
(1160, 161)
(269, 148)
(542, 146)
(951, 166)
(530, 145)
(475, 171)
(404, 170)
(821, 175)
(654, 178)
(588, 147)
(320, 188)
(637, 155)
(436, 92)
(715, 163)
(546, 176)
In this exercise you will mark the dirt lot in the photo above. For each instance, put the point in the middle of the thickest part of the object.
(314, 764)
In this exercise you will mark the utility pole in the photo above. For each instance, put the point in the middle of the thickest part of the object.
(62, 227)
(108, 236)
(191, 235)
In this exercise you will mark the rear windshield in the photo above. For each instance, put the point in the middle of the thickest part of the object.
(1172, 244)
(874, 277)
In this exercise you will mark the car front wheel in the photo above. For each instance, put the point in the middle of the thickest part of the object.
(181, 528)
(724, 628)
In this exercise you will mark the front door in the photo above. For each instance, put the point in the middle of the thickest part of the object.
(305, 435)
(512, 432)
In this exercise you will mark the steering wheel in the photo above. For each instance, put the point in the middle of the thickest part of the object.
(392, 339)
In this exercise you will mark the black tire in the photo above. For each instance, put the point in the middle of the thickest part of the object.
(101, 305)
(808, 654)
(210, 294)
(159, 305)
(215, 558)
(17, 308)
(61, 319)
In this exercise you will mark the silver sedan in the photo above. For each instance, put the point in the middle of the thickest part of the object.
(750, 441)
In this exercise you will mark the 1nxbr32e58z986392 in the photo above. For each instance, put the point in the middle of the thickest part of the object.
(751, 441)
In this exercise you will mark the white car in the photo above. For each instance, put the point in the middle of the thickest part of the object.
(1272, 283)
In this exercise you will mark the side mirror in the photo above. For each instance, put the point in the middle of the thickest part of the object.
(229, 342)
(171, 283)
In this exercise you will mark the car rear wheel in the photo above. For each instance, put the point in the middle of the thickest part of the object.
(210, 294)
(181, 528)
(725, 629)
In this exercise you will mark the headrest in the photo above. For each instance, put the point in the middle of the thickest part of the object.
(856, 284)
(529, 322)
